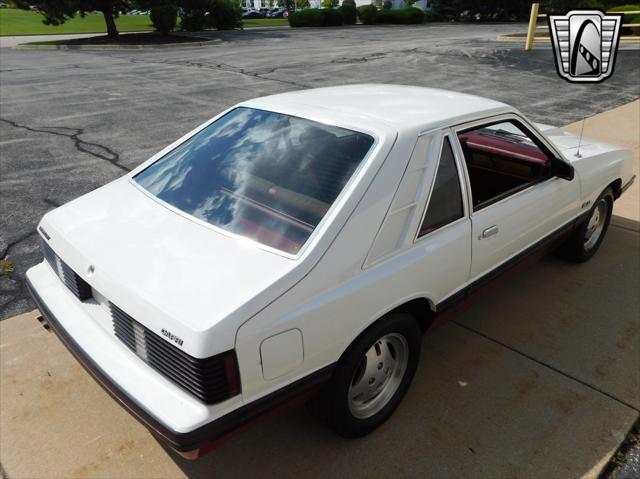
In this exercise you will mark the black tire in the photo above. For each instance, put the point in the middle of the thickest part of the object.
(578, 248)
(335, 401)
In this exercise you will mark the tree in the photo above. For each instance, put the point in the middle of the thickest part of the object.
(227, 14)
(56, 12)
(163, 16)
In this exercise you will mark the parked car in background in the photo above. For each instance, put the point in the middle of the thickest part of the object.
(304, 242)
(277, 13)
(253, 14)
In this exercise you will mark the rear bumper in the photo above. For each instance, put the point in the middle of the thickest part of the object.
(194, 443)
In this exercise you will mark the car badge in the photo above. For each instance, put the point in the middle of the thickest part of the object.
(585, 43)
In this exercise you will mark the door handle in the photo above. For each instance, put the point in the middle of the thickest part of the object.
(490, 231)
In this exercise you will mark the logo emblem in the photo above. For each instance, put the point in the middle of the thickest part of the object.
(585, 43)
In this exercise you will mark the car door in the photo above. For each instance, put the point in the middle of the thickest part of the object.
(516, 200)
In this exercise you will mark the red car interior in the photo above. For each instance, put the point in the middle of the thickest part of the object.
(498, 164)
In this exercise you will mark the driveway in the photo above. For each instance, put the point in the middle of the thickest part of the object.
(538, 379)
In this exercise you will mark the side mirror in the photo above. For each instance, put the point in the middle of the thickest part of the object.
(562, 169)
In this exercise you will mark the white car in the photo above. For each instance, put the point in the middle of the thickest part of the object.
(303, 242)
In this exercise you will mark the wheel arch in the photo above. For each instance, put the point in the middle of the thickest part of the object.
(616, 186)
(421, 309)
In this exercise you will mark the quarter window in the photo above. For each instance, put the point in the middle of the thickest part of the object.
(445, 203)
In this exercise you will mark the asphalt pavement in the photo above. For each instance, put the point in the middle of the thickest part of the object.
(73, 120)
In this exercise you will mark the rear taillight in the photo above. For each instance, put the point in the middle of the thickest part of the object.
(211, 379)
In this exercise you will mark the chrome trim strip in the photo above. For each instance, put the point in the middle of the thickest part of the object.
(628, 184)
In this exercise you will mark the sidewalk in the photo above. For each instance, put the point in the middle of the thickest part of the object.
(620, 126)
(12, 41)
(540, 378)
(17, 40)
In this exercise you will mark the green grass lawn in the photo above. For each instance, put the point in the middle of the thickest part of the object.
(265, 22)
(632, 18)
(24, 22)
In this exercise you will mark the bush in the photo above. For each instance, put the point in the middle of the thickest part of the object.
(415, 15)
(311, 17)
(316, 17)
(226, 15)
(349, 12)
(333, 18)
(164, 17)
(367, 14)
(562, 6)
(634, 18)
(405, 16)
(193, 20)
(429, 17)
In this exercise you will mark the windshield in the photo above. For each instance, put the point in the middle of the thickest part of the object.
(263, 175)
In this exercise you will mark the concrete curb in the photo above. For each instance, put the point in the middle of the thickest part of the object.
(119, 47)
(626, 223)
(260, 29)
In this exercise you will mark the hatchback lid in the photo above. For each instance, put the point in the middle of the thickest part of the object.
(164, 270)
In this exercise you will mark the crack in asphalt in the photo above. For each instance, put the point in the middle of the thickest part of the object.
(364, 59)
(22, 291)
(24, 237)
(224, 67)
(48, 68)
(94, 149)
(342, 60)
(242, 71)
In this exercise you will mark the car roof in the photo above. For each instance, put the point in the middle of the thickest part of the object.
(402, 106)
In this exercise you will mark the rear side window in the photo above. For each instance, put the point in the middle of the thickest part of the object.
(259, 174)
(445, 203)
